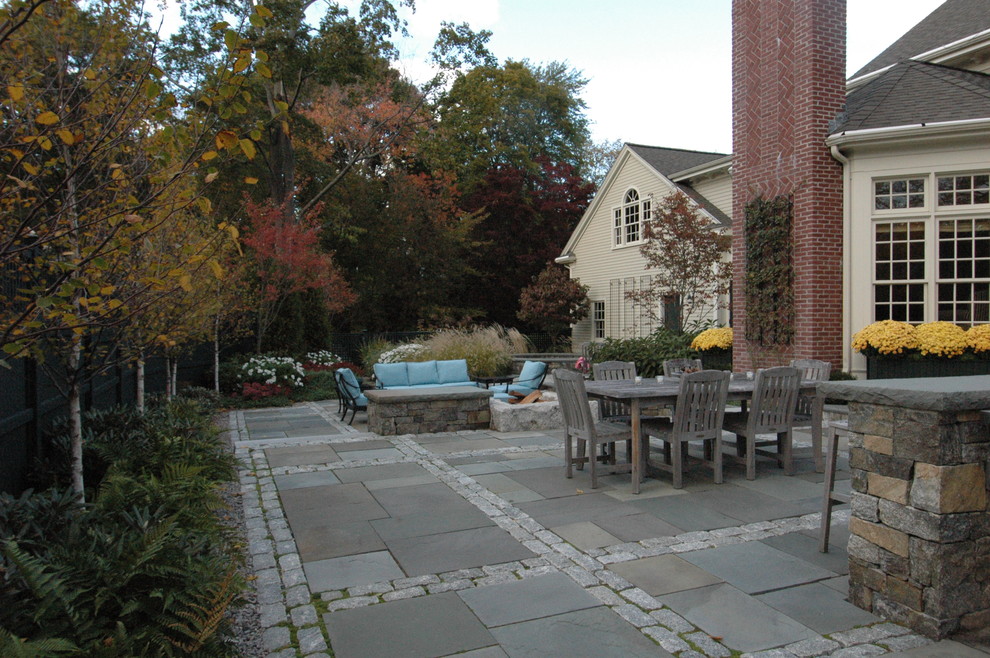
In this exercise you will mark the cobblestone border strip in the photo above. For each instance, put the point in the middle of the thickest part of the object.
(287, 603)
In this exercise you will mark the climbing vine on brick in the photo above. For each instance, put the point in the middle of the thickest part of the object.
(769, 282)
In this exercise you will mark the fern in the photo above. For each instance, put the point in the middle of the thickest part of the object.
(48, 589)
(12, 646)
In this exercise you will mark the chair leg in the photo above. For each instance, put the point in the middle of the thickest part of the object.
(786, 440)
(568, 456)
(592, 450)
(678, 450)
(581, 450)
(718, 460)
(832, 447)
(750, 456)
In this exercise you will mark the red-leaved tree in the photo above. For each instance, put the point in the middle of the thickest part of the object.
(553, 302)
(286, 258)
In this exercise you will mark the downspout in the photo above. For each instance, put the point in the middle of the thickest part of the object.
(846, 264)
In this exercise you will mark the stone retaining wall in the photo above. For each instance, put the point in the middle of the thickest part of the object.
(426, 410)
(919, 546)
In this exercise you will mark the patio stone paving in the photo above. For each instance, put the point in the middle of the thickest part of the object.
(475, 544)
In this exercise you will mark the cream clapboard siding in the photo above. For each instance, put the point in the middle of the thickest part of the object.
(598, 263)
(718, 190)
(928, 158)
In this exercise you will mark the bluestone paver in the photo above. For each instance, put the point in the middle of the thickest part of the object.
(456, 550)
(585, 535)
(818, 607)
(343, 572)
(531, 598)
(754, 567)
(434, 625)
(301, 480)
(664, 574)
(743, 622)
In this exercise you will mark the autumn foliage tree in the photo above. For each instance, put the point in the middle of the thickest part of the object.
(553, 301)
(685, 252)
(285, 259)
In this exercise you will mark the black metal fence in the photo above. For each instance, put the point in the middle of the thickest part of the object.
(30, 402)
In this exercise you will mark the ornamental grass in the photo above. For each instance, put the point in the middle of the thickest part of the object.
(719, 338)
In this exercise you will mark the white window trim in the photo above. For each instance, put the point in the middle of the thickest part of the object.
(931, 214)
(618, 217)
(595, 320)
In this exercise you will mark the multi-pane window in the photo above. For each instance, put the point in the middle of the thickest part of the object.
(627, 219)
(631, 210)
(899, 275)
(964, 270)
(598, 319)
(965, 190)
(932, 260)
(899, 194)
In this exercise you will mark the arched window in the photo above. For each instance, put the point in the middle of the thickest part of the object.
(627, 218)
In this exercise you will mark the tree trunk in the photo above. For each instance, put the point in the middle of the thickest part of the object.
(139, 383)
(168, 377)
(75, 420)
(174, 376)
(216, 355)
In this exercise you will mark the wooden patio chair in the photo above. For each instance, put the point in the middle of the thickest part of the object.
(771, 412)
(676, 367)
(697, 417)
(611, 410)
(809, 370)
(580, 426)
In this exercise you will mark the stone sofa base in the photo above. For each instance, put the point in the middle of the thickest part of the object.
(426, 410)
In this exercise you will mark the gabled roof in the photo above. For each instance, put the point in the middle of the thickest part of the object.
(913, 93)
(952, 21)
(670, 161)
(663, 161)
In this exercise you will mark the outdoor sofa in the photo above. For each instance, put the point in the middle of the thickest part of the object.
(423, 374)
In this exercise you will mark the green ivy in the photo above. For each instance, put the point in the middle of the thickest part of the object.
(769, 282)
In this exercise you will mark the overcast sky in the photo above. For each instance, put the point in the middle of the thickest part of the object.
(658, 70)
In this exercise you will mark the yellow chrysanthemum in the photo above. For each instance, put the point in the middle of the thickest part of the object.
(941, 339)
(717, 338)
(978, 338)
(886, 337)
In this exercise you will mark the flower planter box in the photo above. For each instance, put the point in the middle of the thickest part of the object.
(877, 368)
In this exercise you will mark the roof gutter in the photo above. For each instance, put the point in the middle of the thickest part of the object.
(565, 259)
(913, 131)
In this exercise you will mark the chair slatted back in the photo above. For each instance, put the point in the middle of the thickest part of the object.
(612, 371)
(573, 399)
(774, 399)
(700, 405)
(676, 367)
(810, 370)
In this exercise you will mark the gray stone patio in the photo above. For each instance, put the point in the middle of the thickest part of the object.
(473, 543)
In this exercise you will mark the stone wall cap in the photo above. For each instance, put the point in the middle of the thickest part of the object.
(393, 395)
(926, 393)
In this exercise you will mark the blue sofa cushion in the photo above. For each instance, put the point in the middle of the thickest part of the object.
(391, 374)
(501, 389)
(422, 373)
(454, 371)
(532, 374)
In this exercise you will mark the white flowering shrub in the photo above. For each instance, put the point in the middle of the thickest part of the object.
(407, 352)
(280, 370)
(322, 358)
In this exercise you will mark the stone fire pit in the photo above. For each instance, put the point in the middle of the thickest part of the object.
(545, 415)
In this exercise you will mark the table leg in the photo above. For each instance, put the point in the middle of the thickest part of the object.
(636, 444)
(817, 411)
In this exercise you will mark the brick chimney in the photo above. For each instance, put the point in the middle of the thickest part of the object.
(788, 83)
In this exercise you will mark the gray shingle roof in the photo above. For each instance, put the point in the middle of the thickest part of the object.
(915, 92)
(670, 161)
(953, 20)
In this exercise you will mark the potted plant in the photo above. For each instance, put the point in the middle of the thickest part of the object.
(934, 349)
(715, 348)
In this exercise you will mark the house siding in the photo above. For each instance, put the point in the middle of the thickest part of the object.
(609, 271)
(718, 190)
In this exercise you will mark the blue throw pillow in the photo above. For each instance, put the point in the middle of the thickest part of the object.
(391, 374)
(422, 373)
(453, 370)
(532, 373)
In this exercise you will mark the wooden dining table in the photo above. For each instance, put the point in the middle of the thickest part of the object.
(649, 392)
